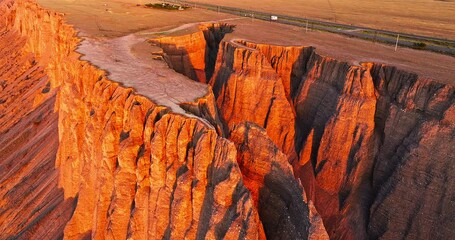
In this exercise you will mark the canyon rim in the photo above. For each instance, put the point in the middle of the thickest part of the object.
(192, 130)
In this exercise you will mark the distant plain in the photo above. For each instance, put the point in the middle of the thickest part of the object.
(117, 18)
(423, 17)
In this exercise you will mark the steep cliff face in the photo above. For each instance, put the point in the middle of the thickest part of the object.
(353, 121)
(240, 67)
(185, 54)
(248, 89)
(276, 193)
(28, 139)
(356, 124)
(365, 135)
(335, 106)
(148, 173)
(205, 108)
(289, 63)
(159, 176)
(413, 175)
(125, 167)
(194, 55)
(85, 157)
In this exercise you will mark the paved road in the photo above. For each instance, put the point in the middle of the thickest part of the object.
(440, 45)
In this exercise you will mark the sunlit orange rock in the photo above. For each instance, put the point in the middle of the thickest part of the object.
(355, 128)
(289, 63)
(185, 54)
(205, 107)
(340, 144)
(31, 204)
(372, 145)
(124, 167)
(194, 55)
(277, 194)
(247, 88)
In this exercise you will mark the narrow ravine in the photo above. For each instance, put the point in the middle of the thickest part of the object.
(360, 133)
(187, 136)
(122, 165)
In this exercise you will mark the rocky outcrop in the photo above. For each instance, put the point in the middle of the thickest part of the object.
(413, 177)
(248, 89)
(277, 194)
(31, 205)
(364, 135)
(289, 63)
(335, 106)
(84, 157)
(185, 54)
(334, 103)
(194, 55)
(89, 158)
(206, 108)
(229, 69)
(349, 118)
(159, 176)
(239, 71)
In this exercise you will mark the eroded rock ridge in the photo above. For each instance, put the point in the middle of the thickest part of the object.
(280, 129)
(372, 145)
(84, 157)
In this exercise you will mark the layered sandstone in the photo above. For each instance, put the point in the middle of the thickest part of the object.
(31, 205)
(289, 63)
(333, 110)
(365, 135)
(413, 175)
(335, 106)
(194, 55)
(276, 193)
(129, 167)
(229, 68)
(248, 89)
(205, 108)
(355, 123)
(186, 54)
(372, 145)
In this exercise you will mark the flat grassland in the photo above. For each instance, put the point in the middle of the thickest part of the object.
(424, 17)
(114, 18)
(117, 18)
